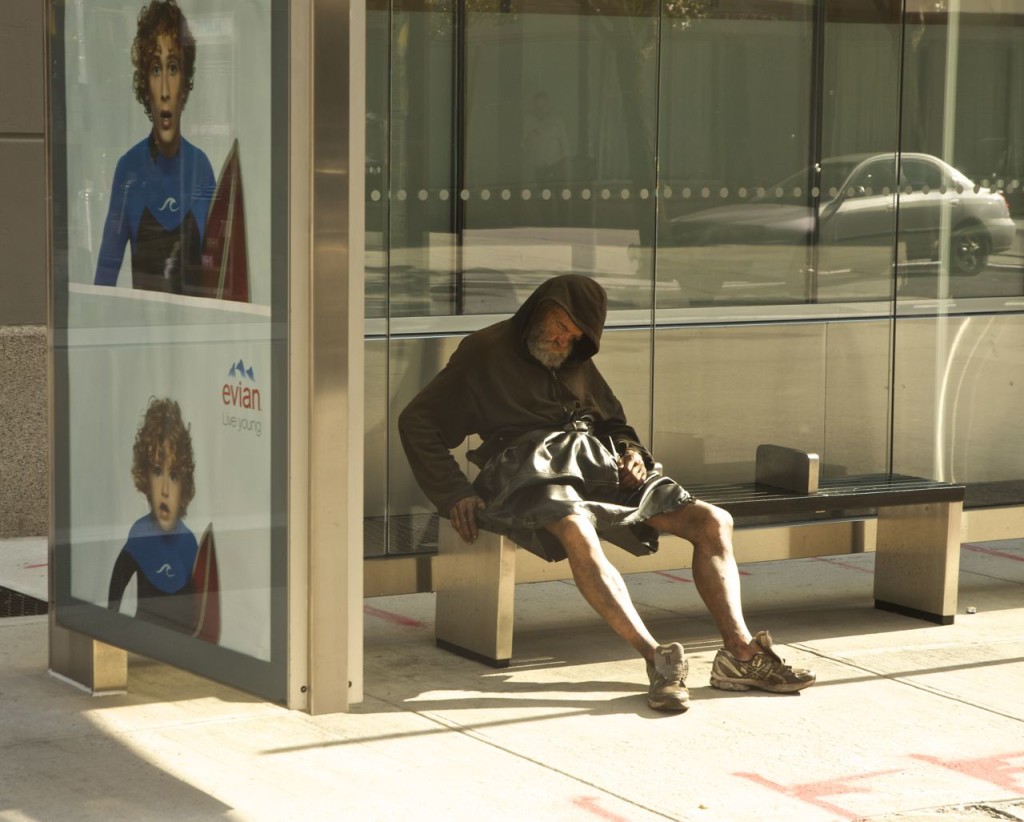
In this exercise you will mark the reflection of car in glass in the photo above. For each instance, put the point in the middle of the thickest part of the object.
(858, 207)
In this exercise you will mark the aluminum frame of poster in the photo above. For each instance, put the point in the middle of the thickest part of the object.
(222, 355)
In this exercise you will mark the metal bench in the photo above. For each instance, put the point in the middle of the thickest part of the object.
(917, 557)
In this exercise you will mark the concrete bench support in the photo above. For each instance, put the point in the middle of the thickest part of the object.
(475, 595)
(913, 575)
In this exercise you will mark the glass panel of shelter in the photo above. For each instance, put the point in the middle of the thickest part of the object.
(958, 310)
(508, 147)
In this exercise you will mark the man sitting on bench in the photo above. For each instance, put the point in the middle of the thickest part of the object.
(561, 469)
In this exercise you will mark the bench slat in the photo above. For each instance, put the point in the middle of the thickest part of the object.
(836, 493)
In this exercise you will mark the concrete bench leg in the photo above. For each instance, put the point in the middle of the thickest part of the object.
(917, 564)
(475, 587)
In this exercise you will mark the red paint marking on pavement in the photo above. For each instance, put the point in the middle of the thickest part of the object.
(993, 552)
(37, 565)
(812, 792)
(842, 564)
(997, 770)
(589, 804)
(394, 619)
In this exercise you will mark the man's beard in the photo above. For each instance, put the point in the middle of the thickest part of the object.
(541, 350)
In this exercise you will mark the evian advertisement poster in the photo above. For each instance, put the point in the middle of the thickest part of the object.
(170, 489)
(167, 361)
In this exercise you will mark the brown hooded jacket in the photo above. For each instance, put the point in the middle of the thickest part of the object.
(493, 386)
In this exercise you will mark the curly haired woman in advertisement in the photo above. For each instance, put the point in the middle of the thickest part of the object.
(173, 572)
(163, 185)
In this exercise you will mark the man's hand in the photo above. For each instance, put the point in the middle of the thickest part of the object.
(463, 517)
(632, 471)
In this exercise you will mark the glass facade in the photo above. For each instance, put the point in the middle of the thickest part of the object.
(805, 214)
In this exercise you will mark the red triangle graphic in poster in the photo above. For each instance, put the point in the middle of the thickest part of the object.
(224, 268)
(206, 584)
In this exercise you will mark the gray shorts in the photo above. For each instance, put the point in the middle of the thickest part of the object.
(543, 477)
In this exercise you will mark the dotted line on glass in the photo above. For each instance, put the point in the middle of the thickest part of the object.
(668, 193)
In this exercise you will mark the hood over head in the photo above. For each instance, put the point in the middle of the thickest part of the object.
(582, 298)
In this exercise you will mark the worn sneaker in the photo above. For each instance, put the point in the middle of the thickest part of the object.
(765, 671)
(667, 675)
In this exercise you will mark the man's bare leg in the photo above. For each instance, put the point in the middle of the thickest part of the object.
(715, 574)
(601, 583)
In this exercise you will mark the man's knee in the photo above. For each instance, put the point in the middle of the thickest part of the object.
(718, 519)
(703, 523)
(577, 535)
(570, 526)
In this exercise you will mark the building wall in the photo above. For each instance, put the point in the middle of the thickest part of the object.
(23, 277)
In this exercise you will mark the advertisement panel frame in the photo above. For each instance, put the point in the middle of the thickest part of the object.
(267, 673)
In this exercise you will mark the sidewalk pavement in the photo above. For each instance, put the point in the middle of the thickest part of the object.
(908, 720)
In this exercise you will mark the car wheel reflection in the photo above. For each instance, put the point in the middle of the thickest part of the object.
(969, 250)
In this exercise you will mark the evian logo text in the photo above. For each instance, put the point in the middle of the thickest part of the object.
(240, 394)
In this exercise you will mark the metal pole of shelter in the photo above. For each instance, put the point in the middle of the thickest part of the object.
(332, 287)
